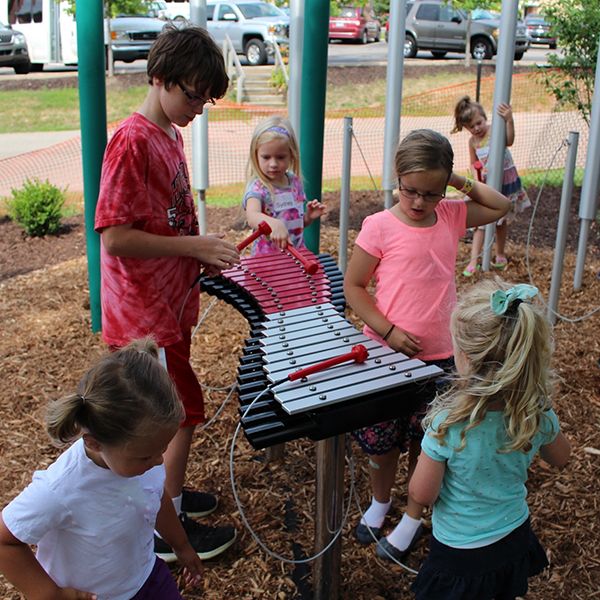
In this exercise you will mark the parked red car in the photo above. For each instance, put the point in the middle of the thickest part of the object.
(357, 24)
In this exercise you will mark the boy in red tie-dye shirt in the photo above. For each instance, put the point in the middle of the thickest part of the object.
(152, 252)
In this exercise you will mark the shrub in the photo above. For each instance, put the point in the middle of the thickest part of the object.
(37, 207)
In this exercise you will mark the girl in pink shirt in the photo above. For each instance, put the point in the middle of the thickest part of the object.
(410, 252)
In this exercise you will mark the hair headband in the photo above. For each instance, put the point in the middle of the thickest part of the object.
(280, 130)
(501, 300)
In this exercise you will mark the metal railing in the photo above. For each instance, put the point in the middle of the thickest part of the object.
(234, 67)
(279, 64)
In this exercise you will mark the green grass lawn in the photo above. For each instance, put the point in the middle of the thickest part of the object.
(48, 109)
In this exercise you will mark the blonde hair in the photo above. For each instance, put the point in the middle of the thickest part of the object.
(508, 360)
(124, 396)
(424, 150)
(464, 111)
(273, 128)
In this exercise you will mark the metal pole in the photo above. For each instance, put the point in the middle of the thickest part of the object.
(312, 117)
(330, 491)
(563, 224)
(200, 132)
(345, 193)
(478, 86)
(200, 164)
(588, 204)
(92, 112)
(393, 104)
(295, 62)
(502, 86)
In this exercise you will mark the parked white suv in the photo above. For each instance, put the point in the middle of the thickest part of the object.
(253, 27)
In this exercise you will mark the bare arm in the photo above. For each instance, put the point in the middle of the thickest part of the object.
(487, 205)
(472, 153)
(254, 215)
(20, 566)
(425, 484)
(171, 530)
(557, 453)
(359, 273)
(124, 240)
(505, 111)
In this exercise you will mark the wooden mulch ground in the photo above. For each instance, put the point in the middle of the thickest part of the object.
(46, 344)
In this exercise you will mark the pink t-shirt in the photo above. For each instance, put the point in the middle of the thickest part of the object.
(145, 182)
(415, 280)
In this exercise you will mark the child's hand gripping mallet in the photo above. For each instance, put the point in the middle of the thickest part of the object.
(478, 166)
(263, 229)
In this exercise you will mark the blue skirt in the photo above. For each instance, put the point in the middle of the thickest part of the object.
(495, 572)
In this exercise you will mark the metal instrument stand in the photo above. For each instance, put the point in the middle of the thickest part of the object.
(328, 517)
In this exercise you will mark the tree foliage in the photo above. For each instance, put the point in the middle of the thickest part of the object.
(112, 8)
(576, 23)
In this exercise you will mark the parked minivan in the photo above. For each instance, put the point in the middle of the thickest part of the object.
(439, 27)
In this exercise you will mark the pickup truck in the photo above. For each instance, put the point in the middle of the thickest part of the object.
(252, 25)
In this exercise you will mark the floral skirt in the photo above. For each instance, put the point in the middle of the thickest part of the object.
(385, 436)
(495, 572)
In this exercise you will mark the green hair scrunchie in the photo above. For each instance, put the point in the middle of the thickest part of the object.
(501, 300)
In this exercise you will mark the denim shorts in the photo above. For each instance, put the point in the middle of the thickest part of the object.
(385, 436)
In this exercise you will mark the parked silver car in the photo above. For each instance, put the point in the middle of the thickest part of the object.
(253, 27)
(439, 27)
(132, 37)
(13, 50)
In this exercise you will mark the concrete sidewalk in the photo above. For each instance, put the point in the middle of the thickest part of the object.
(13, 144)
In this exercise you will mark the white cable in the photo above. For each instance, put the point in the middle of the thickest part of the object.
(219, 410)
(204, 315)
(243, 515)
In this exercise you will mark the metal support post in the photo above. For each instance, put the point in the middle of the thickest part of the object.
(330, 494)
(588, 204)
(345, 193)
(504, 68)
(563, 224)
(393, 103)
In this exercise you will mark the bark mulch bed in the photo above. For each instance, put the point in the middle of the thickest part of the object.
(46, 344)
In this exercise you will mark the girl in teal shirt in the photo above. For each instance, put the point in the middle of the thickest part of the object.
(481, 437)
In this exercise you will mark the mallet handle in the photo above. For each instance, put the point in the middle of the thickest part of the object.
(358, 354)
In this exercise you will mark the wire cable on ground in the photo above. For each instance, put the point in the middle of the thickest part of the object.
(238, 503)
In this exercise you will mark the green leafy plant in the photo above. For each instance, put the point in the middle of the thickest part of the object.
(576, 23)
(37, 207)
(278, 81)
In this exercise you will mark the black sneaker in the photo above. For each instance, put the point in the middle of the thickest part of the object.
(208, 542)
(197, 504)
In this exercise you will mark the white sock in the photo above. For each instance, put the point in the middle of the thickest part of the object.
(403, 532)
(177, 504)
(375, 514)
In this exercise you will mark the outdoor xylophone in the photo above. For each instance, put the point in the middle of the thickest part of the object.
(294, 303)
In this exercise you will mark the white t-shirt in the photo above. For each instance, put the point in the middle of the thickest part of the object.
(94, 529)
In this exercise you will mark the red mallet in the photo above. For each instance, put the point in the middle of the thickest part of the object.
(358, 354)
(478, 166)
(310, 266)
(263, 229)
